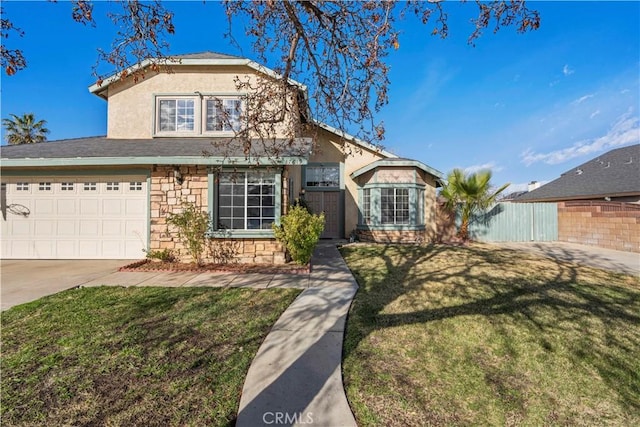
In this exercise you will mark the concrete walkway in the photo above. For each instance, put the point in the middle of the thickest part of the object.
(296, 377)
(607, 259)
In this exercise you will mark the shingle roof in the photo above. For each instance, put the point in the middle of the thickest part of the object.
(615, 173)
(206, 55)
(150, 149)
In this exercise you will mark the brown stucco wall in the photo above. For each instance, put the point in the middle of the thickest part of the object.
(610, 225)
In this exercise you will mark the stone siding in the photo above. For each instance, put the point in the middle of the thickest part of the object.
(611, 225)
(167, 197)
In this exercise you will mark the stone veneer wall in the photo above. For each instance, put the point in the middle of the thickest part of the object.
(167, 196)
(611, 225)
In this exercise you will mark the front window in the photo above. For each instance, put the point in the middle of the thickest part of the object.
(176, 115)
(246, 201)
(323, 176)
(366, 206)
(395, 206)
(223, 115)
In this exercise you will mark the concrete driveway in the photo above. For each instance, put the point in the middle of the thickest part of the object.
(23, 281)
(607, 259)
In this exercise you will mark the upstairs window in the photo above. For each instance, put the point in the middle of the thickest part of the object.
(192, 115)
(223, 115)
(176, 115)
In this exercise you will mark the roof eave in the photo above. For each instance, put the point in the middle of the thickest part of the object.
(151, 160)
(408, 163)
(578, 197)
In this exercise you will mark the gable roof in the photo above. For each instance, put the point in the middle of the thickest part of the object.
(100, 150)
(398, 162)
(202, 58)
(615, 173)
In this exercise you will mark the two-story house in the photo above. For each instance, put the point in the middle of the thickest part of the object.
(171, 138)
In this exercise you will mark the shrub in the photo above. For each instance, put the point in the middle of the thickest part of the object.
(192, 224)
(300, 232)
(165, 255)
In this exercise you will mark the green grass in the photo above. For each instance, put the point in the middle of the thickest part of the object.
(483, 336)
(133, 356)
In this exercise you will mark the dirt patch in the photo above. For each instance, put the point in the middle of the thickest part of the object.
(147, 265)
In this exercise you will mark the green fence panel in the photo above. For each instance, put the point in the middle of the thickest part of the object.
(516, 222)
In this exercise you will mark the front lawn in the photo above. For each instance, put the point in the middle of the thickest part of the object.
(479, 335)
(133, 356)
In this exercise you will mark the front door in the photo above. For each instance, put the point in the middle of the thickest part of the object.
(329, 203)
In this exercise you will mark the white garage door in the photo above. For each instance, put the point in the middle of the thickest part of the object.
(92, 217)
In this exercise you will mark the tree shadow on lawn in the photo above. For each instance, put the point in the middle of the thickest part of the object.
(549, 297)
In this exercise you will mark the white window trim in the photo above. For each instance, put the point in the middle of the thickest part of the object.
(199, 114)
(203, 114)
(156, 115)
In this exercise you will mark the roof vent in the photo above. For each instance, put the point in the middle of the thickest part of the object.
(608, 164)
(629, 162)
(579, 171)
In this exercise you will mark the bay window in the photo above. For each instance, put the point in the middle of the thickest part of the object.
(385, 206)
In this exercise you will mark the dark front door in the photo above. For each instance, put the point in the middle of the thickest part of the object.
(329, 203)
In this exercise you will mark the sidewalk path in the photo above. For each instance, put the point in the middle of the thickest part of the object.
(296, 376)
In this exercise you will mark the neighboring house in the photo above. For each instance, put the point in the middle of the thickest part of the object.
(613, 176)
(171, 139)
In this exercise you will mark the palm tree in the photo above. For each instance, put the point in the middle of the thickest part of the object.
(25, 129)
(470, 194)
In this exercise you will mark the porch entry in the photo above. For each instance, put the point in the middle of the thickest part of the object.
(329, 203)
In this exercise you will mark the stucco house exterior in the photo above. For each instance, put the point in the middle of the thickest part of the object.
(166, 144)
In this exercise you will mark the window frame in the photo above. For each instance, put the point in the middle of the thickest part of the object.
(305, 181)
(200, 102)
(157, 111)
(415, 212)
(214, 204)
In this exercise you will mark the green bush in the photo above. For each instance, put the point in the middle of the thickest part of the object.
(164, 255)
(192, 224)
(300, 232)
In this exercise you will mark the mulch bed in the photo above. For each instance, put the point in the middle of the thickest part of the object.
(146, 265)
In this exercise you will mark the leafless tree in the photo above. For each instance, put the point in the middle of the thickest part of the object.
(336, 49)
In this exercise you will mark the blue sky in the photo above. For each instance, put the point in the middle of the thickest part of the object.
(528, 106)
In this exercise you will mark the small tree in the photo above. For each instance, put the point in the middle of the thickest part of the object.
(469, 194)
(300, 232)
(192, 224)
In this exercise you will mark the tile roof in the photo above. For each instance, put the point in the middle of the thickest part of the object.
(101, 146)
(615, 173)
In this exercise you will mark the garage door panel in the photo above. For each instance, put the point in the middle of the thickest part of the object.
(89, 248)
(112, 207)
(44, 207)
(66, 207)
(44, 249)
(20, 227)
(75, 217)
(135, 207)
(89, 207)
(45, 227)
(65, 227)
(111, 248)
(89, 228)
(66, 248)
(111, 228)
(21, 248)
